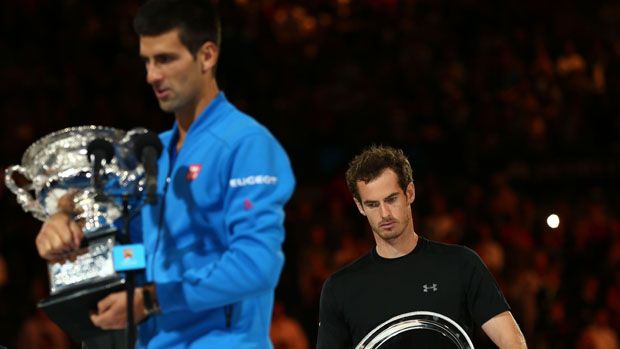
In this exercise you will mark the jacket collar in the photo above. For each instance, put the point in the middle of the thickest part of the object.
(211, 115)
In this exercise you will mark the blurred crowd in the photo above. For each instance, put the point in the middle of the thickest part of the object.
(508, 111)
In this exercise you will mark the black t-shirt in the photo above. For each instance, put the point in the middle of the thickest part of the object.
(447, 279)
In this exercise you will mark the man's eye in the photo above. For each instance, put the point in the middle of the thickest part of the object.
(372, 205)
(164, 59)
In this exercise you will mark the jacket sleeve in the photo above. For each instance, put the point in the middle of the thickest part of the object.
(258, 181)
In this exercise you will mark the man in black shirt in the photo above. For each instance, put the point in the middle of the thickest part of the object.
(406, 272)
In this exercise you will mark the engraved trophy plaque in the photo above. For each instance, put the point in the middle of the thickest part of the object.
(412, 330)
(60, 164)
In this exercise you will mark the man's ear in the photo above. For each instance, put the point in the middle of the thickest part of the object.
(208, 55)
(410, 193)
(359, 207)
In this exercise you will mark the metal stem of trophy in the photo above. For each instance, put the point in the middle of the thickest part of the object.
(130, 277)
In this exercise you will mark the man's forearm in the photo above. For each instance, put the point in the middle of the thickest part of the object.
(504, 332)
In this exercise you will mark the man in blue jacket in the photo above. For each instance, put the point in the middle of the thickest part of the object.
(213, 239)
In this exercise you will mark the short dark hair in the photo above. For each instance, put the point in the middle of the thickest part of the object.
(371, 163)
(197, 21)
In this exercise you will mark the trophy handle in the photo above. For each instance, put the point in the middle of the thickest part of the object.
(29, 204)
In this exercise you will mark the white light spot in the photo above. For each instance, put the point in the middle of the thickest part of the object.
(553, 221)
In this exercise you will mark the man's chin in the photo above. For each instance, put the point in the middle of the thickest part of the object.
(390, 234)
(166, 106)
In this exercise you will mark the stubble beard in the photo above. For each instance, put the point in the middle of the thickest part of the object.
(389, 235)
(399, 229)
(175, 102)
(167, 106)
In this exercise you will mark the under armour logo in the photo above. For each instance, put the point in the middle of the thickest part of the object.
(427, 288)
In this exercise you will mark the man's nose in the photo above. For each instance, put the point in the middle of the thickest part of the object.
(384, 209)
(153, 75)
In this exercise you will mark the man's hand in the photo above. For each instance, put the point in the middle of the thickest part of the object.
(112, 310)
(59, 235)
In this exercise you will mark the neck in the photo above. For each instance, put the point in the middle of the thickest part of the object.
(186, 117)
(397, 247)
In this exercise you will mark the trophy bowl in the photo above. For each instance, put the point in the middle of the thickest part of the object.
(409, 330)
(58, 162)
(59, 166)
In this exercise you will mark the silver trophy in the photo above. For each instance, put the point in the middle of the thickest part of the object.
(425, 321)
(101, 190)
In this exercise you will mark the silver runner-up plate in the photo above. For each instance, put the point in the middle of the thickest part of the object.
(418, 329)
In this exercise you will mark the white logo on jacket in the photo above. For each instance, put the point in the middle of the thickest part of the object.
(253, 180)
(427, 288)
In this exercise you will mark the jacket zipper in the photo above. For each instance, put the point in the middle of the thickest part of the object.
(159, 223)
(228, 309)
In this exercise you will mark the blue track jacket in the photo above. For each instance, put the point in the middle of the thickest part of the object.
(213, 239)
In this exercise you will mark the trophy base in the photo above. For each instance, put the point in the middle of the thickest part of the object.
(71, 310)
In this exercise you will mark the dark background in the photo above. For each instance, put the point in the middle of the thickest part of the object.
(508, 111)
